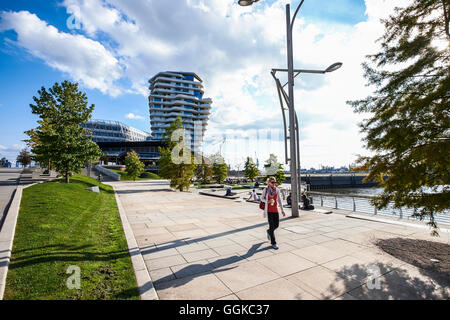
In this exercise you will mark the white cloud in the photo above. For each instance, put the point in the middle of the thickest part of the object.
(134, 116)
(11, 152)
(14, 147)
(85, 60)
(233, 49)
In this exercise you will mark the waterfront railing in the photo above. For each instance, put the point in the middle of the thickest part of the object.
(361, 203)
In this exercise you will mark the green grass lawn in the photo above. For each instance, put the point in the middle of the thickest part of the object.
(145, 176)
(62, 225)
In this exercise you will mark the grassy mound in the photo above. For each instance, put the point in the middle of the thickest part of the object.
(62, 225)
(150, 175)
(145, 176)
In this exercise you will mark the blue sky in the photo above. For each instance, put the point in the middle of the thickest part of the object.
(122, 44)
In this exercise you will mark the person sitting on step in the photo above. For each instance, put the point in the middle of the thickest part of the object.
(306, 202)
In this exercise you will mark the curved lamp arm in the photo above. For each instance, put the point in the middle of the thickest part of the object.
(295, 14)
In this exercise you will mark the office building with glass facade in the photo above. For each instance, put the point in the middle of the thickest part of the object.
(114, 131)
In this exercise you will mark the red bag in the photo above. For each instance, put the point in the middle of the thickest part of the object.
(262, 205)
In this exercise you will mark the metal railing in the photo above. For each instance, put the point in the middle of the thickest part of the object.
(361, 203)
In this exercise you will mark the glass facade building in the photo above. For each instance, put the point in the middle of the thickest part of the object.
(174, 94)
(114, 131)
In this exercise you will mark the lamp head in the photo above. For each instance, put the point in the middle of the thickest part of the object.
(245, 3)
(334, 67)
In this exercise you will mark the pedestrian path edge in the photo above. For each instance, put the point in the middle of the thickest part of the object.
(7, 236)
(146, 289)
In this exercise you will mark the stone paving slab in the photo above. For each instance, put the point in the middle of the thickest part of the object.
(291, 263)
(161, 275)
(229, 297)
(154, 253)
(245, 276)
(227, 249)
(200, 255)
(280, 289)
(199, 287)
(301, 243)
(197, 247)
(319, 238)
(163, 262)
(318, 254)
(323, 283)
(192, 247)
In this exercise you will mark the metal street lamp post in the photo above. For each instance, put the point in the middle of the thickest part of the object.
(289, 99)
(284, 96)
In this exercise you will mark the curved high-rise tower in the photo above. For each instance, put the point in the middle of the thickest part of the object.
(175, 94)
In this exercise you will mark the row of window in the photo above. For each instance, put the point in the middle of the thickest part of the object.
(169, 108)
(137, 149)
(186, 101)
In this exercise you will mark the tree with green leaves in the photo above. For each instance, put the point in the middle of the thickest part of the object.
(408, 126)
(250, 169)
(204, 171)
(3, 162)
(134, 165)
(59, 137)
(24, 157)
(176, 161)
(274, 169)
(220, 168)
(44, 158)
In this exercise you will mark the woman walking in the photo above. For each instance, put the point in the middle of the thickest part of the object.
(272, 199)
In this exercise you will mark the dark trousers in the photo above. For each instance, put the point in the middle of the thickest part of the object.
(274, 222)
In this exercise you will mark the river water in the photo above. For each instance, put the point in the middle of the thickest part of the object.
(344, 191)
(355, 191)
(363, 205)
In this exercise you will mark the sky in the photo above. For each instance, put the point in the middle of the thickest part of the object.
(113, 47)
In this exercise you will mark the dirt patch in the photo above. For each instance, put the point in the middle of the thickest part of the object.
(432, 257)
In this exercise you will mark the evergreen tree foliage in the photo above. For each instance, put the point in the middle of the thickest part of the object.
(408, 128)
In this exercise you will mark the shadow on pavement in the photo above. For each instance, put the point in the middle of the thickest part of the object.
(186, 241)
(379, 282)
(426, 276)
(192, 271)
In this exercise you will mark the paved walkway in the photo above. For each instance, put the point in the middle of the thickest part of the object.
(200, 247)
(8, 183)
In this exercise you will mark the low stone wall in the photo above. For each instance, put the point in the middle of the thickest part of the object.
(233, 197)
(109, 173)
